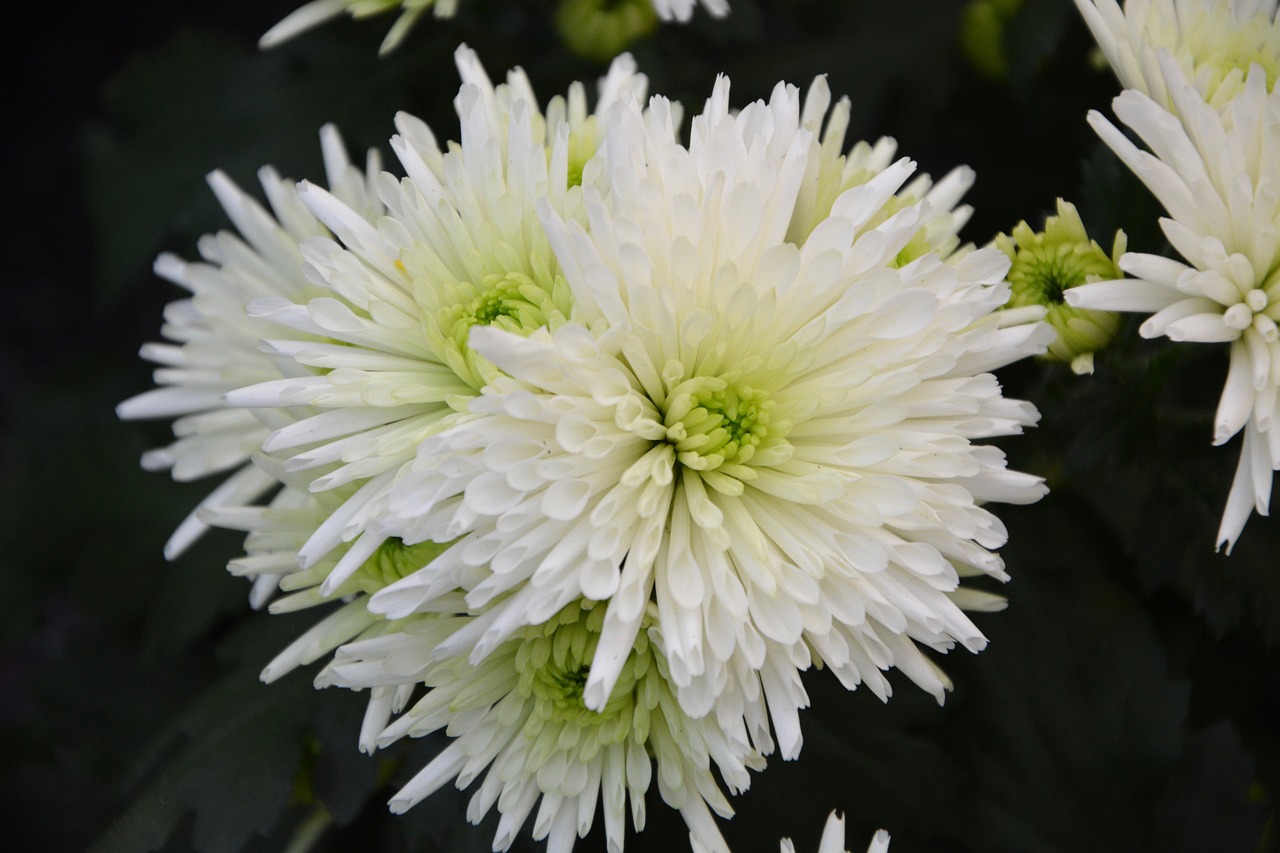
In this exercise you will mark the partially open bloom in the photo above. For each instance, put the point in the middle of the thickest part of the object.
(832, 171)
(1214, 42)
(380, 359)
(518, 719)
(1217, 173)
(767, 449)
(214, 344)
(1046, 265)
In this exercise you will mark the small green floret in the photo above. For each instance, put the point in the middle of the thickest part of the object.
(1047, 264)
(601, 29)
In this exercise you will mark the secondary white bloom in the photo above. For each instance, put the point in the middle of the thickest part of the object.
(832, 171)
(770, 443)
(381, 359)
(213, 345)
(1213, 41)
(1218, 176)
(318, 11)
(276, 532)
(518, 720)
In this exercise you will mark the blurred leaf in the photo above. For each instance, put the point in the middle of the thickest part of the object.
(1207, 804)
(1074, 720)
(241, 746)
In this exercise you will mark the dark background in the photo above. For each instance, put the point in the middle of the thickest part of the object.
(1130, 696)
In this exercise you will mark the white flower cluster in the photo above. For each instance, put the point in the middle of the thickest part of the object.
(1203, 98)
(316, 12)
(603, 438)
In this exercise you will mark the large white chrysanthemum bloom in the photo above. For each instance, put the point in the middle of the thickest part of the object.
(1213, 41)
(214, 345)
(381, 359)
(518, 719)
(771, 444)
(318, 11)
(1217, 173)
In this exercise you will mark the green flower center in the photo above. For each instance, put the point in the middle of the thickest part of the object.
(554, 662)
(392, 561)
(515, 302)
(711, 422)
(1045, 272)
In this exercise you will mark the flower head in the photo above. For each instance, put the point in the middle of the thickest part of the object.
(518, 719)
(380, 359)
(1214, 42)
(1048, 264)
(214, 344)
(1217, 173)
(770, 444)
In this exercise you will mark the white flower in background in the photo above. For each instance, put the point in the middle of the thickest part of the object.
(518, 719)
(380, 361)
(832, 171)
(682, 10)
(275, 534)
(1217, 174)
(771, 444)
(214, 346)
(319, 11)
(1213, 41)
(832, 840)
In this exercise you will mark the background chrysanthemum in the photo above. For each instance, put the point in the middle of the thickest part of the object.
(317, 12)
(214, 343)
(1213, 41)
(1217, 174)
(382, 360)
(519, 722)
(773, 443)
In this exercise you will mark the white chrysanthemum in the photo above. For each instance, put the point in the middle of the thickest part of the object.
(381, 359)
(518, 719)
(1218, 176)
(771, 443)
(318, 11)
(832, 171)
(214, 345)
(1214, 42)
(682, 10)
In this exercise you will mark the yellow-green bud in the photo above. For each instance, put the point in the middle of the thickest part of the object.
(1061, 257)
(601, 29)
(982, 36)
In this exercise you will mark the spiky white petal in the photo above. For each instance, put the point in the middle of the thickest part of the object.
(1217, 173)
(214, 344)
